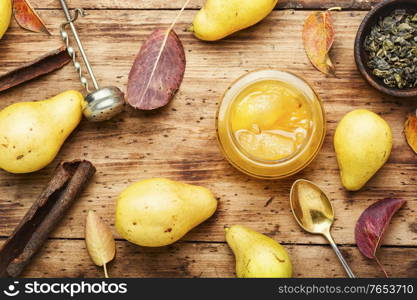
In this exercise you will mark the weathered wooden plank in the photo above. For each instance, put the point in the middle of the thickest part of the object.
(175, 4)
(179, 142)
(69, 258)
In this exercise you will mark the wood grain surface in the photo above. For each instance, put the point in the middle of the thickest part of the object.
(175, 4)
(69, 258)
(179, 142)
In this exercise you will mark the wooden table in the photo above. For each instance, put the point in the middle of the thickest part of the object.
(179, 142)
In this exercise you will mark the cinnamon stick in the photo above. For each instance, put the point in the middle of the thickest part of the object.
(45, 64)
(68, 181)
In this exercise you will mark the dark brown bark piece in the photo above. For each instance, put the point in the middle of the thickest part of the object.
(157, 72)
(45, 64)
(68, 181)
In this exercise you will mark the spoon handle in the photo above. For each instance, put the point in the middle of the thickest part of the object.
(70, 22)
(339, 255)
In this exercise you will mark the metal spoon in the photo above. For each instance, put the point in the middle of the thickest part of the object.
(314, 213)
(103, 103)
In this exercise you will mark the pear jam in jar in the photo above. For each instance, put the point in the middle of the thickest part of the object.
(270, 124)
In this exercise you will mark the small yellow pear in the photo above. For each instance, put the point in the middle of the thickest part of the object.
(157, 212)
(257, 256)
(32, 133)
(363, 143)
(5, 15)
(220, 18)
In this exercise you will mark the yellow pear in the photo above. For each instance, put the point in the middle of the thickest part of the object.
(158, 212)
(363, 143)
(257, 256)
(220, 18)
(5, 15)
(32, 133)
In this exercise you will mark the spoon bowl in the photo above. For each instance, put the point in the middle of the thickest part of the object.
(314, 212)
(311, 207)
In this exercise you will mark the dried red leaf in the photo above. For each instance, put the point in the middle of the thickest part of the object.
(158, 69)
(372, 225)
(27, 17)
(157, 72)
(318, 38)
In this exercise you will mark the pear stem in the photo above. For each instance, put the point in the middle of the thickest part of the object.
(335, 8)
(105, 271)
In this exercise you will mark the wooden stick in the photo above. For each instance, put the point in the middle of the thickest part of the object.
(43, 65)
(68, 181)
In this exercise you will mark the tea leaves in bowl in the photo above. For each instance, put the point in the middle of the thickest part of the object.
(392, 49)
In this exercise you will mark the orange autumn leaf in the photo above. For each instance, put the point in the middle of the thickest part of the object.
(27, 17)
(318, 38)
(410, 130)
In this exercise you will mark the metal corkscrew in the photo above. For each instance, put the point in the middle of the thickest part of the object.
(103, 103)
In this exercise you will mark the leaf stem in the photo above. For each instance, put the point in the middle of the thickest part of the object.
(381, 266)
(178, 15)
(105, 271)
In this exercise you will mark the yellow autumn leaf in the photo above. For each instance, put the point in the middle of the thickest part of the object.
(410, 130)
(99, 240)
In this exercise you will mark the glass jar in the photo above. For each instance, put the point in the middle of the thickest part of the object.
(262, 167)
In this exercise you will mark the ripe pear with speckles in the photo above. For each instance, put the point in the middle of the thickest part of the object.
(257, 256)
(5, 15)
(220, 18)
(32, 133)
(363, 143)
(157, 212)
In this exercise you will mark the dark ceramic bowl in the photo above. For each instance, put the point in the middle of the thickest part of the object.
(383, 9)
